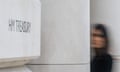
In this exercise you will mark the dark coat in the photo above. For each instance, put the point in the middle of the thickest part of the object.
(101, 63)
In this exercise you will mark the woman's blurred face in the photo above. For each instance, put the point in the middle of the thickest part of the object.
(98, 40)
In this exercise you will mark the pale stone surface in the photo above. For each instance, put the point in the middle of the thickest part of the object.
(16, 69)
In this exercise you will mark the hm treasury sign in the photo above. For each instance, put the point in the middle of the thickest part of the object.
(20, 25)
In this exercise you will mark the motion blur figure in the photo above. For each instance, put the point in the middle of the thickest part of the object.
(102, 60)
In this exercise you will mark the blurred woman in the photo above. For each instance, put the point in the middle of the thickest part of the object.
(102, 61)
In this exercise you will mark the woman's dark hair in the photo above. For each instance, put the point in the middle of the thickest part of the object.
(103, 29)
